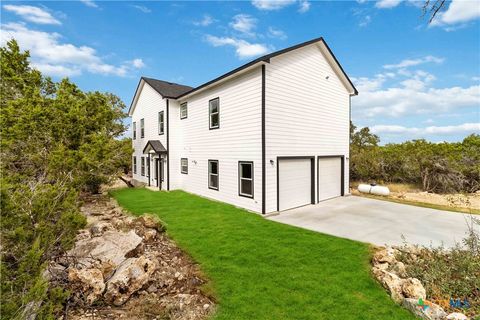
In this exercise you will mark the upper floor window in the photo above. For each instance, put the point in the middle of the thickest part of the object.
(134, 129)
(134, 165)
(183, 110)
(213, 174)
(214, 113)
(161, 123)
(142, 167)
(142, 128)
(245, 177)
(184, 165)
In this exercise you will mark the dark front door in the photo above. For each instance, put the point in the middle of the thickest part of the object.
(159, 172)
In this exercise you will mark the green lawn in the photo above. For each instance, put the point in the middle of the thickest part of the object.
(261, 269)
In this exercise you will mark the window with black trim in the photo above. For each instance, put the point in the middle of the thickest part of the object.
(214, 113)
(134, 165)
(142, 166)
(161, 123)
(184, 165)
(183, 110)
(213, 174)
(245, 179)
(142, 128)
(148, 167)
(134, 129)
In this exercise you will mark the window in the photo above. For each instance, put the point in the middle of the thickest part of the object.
(142, 128)
(183, 110)
(213, 174)
(134, 165)
(214, 113)
(184, 165)
(161, 123)
(148, 167)
(142, 167)
(245, 177)
(134, 130)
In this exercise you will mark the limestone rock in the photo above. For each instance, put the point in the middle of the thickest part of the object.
(429, 311)
(391, 282)
(386, 255)
(413, 288)
(130, 277)
(457, 316)
(399, 269)
(99, 228)
(111, 247)
(150, 221)
(87, 281)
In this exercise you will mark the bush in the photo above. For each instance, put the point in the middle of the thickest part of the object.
(452, 274)
(56, 142)
(436, 167)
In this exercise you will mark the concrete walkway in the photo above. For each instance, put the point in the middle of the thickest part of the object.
(379, 222)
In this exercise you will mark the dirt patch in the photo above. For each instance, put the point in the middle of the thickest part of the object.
(126, 267)
(409, 193)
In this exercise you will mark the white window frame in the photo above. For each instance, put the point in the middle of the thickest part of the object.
(214, 174)
(142, 166)
(134, 164)
(210, 114)
(134, 127)
(184, 165)
(240, 178)
(161, 122)
(184, 111)
(142, 128)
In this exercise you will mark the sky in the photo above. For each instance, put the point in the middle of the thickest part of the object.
(415, 79)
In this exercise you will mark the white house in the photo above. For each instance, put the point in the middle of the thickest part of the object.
(268, 136)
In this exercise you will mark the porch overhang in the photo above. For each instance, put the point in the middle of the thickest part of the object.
(154, 146)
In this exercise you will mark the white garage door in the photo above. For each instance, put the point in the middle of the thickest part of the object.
(295, 183)
(329, 178)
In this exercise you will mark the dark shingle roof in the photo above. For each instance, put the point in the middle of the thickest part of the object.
(155, 145)
(167, 89)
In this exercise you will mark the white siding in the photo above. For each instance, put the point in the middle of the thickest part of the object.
(237, 139)
(149, 104)
(306, 114)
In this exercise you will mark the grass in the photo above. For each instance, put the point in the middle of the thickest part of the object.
(260, 269)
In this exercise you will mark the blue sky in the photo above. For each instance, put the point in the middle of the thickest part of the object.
(415, 80)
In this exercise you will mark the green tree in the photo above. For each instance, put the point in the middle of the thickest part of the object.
(57, 141)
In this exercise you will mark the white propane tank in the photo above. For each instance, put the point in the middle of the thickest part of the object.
(374, 189)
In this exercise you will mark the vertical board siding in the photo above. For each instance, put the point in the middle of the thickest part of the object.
(306, 113)
(149, 104)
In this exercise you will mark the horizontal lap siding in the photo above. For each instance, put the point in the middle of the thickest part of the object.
(306, 114)
(238, 139)
(149, 104)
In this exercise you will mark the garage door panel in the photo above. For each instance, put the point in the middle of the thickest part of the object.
(329, 178)
(295, 183)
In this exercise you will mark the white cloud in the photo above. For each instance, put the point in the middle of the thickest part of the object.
(244, 23)
(276, 33)
(365, 21)
(206, 21)
(243, 49)
(89, 3)
(138, 63)
(458, 12)
(271, 4)
(387, 4)
(304, 6)
(32, 14)
(465, 128)
(476, 78)
(55, 58)
(414, 62)
(142, 8)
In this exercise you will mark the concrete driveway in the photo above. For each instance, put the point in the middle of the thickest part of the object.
(379, 222)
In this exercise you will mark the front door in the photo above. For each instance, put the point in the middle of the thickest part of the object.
(159, 173)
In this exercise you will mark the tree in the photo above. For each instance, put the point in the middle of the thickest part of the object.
(432, 8)
(57, 141)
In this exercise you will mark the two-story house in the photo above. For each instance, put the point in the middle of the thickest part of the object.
(268, 136)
